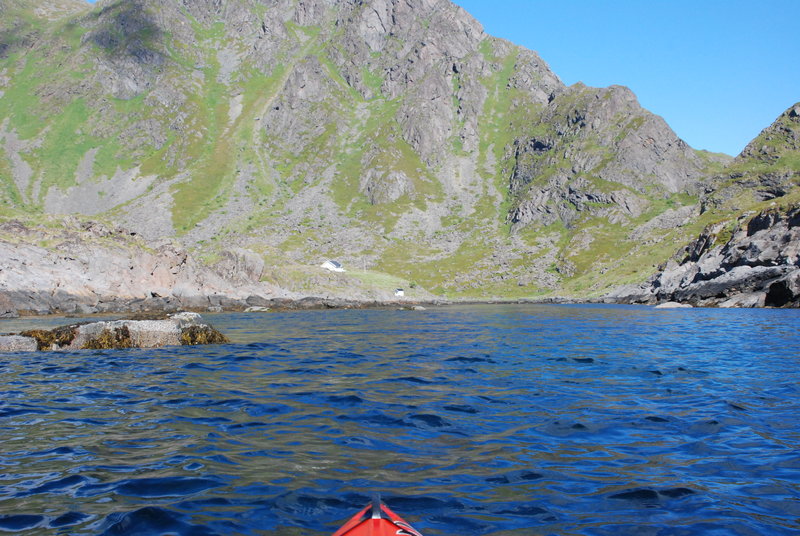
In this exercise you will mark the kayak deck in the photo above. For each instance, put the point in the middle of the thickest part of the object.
(376, 519)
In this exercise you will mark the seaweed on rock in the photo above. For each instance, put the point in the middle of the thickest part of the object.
(46, 339)
(109, 339)
(202, 334)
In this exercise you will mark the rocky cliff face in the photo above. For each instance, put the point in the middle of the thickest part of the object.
(393, 135)
(759, 265)
(597, 146)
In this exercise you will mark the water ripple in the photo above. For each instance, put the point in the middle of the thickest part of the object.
(504, 421)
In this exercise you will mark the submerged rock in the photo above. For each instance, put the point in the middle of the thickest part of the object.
(173, 330)
(673, 305)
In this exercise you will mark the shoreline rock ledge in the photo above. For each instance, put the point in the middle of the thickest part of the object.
(170, 330)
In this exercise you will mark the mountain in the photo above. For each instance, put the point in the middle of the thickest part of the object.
(393, 135)
(749, 255)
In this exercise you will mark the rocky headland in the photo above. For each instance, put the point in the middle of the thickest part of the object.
(750, 255)
(757, 264)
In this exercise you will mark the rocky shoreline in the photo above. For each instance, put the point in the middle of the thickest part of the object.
(73, 267)
(88, 268)
(755, 264)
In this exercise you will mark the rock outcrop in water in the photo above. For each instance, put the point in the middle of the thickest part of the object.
(173, 330)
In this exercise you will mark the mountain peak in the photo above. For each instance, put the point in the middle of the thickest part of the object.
(781, 137)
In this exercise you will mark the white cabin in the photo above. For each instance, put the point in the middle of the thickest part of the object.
(333, 266)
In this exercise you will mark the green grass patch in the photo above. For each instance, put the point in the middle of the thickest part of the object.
(20, 102)
(407, 258)
(196, 198)
(372, 80)
(63, 147)
(380, 280)
(9, 194)
(349, 167)
(507, 111)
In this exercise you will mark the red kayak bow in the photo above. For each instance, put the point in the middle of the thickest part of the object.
(376, 520)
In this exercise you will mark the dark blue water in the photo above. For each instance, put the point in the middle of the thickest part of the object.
(486, 420)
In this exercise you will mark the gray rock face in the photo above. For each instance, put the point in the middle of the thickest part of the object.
(591, 137)
(242, 264)
(759, 265)
(128, 66)
(98, 269)
(7, 308)
(17, 343)
(385, 187)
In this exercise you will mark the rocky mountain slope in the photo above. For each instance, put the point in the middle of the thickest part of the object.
(392, 135)
(750, 254)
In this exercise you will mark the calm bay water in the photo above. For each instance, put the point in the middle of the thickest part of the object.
(481, 420)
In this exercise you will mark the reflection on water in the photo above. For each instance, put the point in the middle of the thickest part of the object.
(501, 420)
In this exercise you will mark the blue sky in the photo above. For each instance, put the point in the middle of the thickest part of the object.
(718, 71)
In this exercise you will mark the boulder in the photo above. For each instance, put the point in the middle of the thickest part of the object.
(17, 343)
(746, 300)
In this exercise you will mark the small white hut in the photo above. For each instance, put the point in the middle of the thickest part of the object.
(333, 266)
